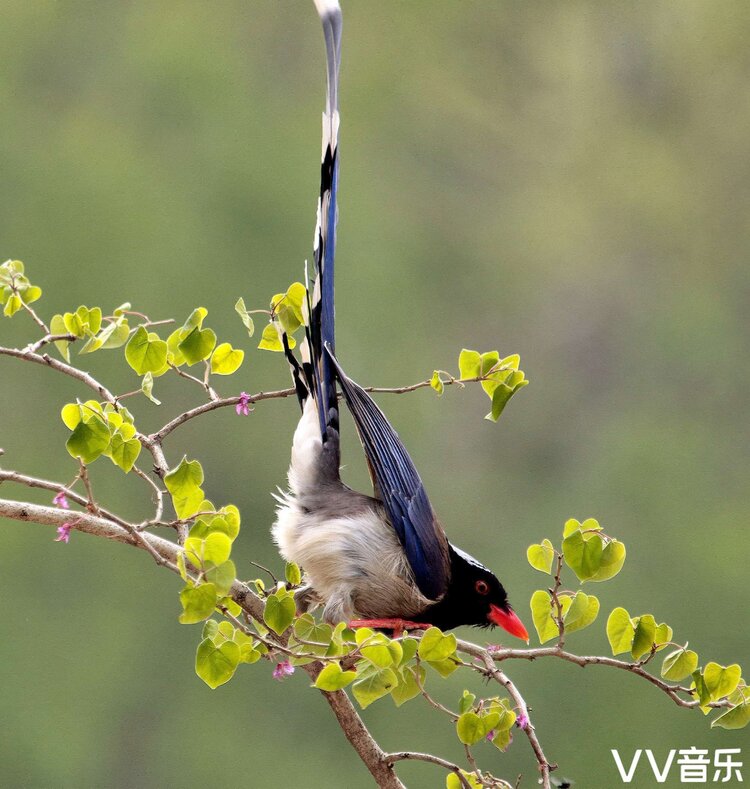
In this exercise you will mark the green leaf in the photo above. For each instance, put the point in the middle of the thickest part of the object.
(735, 718)
(620, 631)
(409, 649)
(214, 664)
(183, 484)
(198, 603)
(373, 686)
(504, 391)
(469, 364)
(435, 646)
(222, 577)
(583, 554)
(645, 632)
(198, 345)
(181, 565)
(147, 387)
(210, 551)
(542, 611)
(679, 664)
(612, 559)
(71, 415)
(115, 335)
(280, 610)
(145, 352)
(452, 781)
(270, 339)
(486, 363)
(701, 691)
(333, 678)
(379, 655)
(292, 574)
(88, 440)
(466, 702)
(287, 307)
(222, 522)
(662, 636)
(407, 687)
(247, 321)
(436, 383)
(124, 452)
(307, 628)
(57, 326)
(12, 305)
(582, 612)
(721, 680)
(444, 667)
(471, 727)
(541, 556)
(211, 630)
(226, 360)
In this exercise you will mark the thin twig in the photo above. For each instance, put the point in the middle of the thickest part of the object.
(34, 482)
(158, 493)
(48, 338)
(39, 322)
(398, 756)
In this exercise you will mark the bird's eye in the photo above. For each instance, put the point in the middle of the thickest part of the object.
(482, 587)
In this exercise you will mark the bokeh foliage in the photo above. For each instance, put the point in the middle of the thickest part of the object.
(569, 181)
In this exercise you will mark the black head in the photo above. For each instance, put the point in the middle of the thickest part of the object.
(475, 597)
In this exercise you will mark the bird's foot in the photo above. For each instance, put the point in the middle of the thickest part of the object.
(398, 626)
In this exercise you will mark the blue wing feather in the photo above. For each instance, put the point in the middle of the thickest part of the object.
(401, 490)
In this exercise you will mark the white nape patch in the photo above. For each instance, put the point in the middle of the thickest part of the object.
(470, 559)
(306, 448)
(327, 6)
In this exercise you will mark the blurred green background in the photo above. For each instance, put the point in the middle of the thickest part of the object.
(569, 181)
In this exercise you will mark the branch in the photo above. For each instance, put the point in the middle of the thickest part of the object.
(354, 729)
(35, 482)
(672, 691)
(223, 402)
(375, 759)
(47, 361)
(428, 757)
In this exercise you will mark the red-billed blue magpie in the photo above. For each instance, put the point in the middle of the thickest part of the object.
(381, 560)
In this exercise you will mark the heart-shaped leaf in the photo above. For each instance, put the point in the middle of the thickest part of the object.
(332, 677)
(541, 556)
(435, 646)
(620, 631)
(214, 664)
(679, 664)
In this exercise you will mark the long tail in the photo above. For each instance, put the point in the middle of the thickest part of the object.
(316, 376)
(321, 303)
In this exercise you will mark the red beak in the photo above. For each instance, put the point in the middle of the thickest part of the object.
(509, 621)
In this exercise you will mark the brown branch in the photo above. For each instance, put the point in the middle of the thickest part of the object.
(34, 482)
(48, 338)
(39, 322)
(428, 757)
(374, 758)
(354, 729)
(47, 361)
(223, 402)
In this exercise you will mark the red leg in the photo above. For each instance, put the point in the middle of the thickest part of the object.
(397, 625)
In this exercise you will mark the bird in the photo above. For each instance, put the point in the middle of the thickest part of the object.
(381, 560)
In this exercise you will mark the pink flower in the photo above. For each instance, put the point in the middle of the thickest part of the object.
(283, 669)
(63, 532)
(243, 406)
(522, 720)
(490, 736)
(61, 500)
